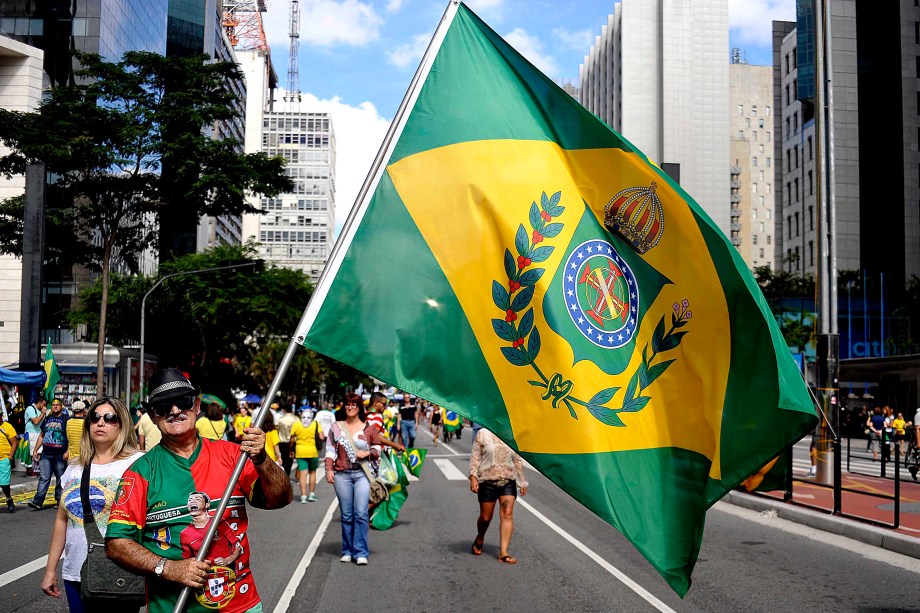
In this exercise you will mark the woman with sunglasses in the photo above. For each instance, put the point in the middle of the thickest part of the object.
(352, 441)
(109, 443)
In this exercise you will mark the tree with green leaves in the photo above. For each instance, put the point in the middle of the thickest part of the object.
(782, 288)
(228, 328)
(106, 140)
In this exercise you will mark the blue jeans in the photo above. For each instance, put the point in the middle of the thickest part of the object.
(408, 432)
(354, 492)
(46, 466)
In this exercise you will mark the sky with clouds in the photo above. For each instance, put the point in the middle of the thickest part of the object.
(357, 57)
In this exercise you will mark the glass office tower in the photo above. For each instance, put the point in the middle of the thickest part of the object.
(106, 27)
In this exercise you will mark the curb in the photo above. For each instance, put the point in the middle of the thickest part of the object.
(31, 486)
(864, 533)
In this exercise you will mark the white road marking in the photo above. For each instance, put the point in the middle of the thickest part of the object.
(300, 570)
(451, 472)
(825, 538)
(638, 589)
(20, 572)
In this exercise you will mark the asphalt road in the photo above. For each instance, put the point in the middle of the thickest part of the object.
(569, 559)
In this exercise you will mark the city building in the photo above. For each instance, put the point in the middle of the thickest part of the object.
(20, 90)
(106, 27)
(195, 27)
(109, 28)
(875, 77)
(296, 229)
(876, 48)
(658, 74)
(261, 81)
(752, 193)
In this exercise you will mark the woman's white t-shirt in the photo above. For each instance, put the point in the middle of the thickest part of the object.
(103, 485)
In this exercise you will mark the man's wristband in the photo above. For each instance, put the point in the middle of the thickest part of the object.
(259, 460)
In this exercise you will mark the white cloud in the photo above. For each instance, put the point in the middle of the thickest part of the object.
(577, 41)
(483, 5)
(325, 23)
(490, 10)
(410, 53)
(359, 131)
(394, 5)
(750, 20)
(531, 47)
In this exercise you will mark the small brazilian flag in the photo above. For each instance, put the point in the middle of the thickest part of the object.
(558, 288)
(52, 376)
(451, 421)
(414, 458)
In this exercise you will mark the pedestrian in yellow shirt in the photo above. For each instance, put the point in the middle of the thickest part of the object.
(272, 439)
(304, 440)
(241, 422)
(9, 440)
(898, 425)
(212, 425)
(75, 430)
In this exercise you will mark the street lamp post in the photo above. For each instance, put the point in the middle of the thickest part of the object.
(256, 263)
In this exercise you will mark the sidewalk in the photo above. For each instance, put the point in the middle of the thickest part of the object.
(23, 488)
(812, 504)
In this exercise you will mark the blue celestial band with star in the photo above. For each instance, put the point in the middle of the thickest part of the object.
(601, 294)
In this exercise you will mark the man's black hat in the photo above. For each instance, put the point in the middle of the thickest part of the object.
(167, 384)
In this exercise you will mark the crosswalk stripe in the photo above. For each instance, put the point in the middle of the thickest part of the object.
(451, 472)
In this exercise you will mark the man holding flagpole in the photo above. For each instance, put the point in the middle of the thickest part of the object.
(154, 507)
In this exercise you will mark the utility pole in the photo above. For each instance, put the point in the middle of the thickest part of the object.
(828, 350)
(33, 250)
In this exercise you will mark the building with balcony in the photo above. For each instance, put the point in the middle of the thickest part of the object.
(751, 169)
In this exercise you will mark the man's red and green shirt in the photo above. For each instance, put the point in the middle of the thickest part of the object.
(159, 505)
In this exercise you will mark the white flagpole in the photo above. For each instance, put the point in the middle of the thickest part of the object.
(322, 288)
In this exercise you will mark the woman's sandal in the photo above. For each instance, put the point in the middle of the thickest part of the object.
(476, 551)
(507, 559)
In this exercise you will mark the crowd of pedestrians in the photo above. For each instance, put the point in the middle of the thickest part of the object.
(176, 453)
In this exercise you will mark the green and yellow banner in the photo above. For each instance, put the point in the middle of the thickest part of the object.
(52, 376)
(518, 261)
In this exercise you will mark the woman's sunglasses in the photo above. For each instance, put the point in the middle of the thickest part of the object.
(163, 407)
(109, 418)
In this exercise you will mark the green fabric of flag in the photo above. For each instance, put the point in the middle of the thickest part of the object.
(520, 262)
(388, 510)
(413, 458)
(52, 376)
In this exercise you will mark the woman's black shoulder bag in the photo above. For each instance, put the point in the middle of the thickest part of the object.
(100, 577)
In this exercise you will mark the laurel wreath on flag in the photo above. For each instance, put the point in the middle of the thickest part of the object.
(525, 337)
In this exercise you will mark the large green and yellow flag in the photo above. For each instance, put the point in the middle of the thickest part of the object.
(52, 376)
(518, 261)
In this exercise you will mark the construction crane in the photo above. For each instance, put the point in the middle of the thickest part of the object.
(292, 95)
(242, 21)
